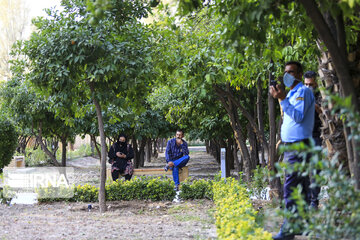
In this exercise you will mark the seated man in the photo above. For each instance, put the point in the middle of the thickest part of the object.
(177, 156)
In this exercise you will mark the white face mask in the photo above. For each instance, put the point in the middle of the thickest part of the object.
(288, 79)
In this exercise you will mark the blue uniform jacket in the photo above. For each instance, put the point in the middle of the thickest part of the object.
(299, 114)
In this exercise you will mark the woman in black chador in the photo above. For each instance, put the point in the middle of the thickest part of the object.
(120, 155)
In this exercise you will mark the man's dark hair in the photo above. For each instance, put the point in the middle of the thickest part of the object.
(298, 65)
(310, 74)
(180, 130)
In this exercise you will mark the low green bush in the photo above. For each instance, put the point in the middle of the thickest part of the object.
(144, 188)
(259, 182)
(154, 189)
(235, 215)
(196, 189)
(35, 157)
(8, 141)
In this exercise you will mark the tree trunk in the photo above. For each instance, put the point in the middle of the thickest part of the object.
(236, 126)
(148, 150)
(162, 144)
(216, 150)
(253, 148)
(102, 199)
(207, 146)
(136, 153)
(275, 184)
(238, 166)
(339, 57)
(260, 118)
(96, 145)
(336, 45)
(142, 152)
(332, 126)
(229, 147)
(156, 149)
(39, 139)
(63, 151)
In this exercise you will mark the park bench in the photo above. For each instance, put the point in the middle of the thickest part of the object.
(183, 172)
(16, 162)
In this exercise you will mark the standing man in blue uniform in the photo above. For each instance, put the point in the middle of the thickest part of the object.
(176, 155)
(299, 109)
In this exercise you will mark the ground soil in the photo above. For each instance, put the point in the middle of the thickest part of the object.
(192, 219)
(123, 220)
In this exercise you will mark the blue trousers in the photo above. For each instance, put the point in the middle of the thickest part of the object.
(292, 180)
(179, 163)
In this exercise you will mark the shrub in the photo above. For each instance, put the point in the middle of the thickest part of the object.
(35, 157)
(235, 215)
(259, 182)
(8, 141)
(155, 189)
(339, 215)
(86, 193)
(197, 189)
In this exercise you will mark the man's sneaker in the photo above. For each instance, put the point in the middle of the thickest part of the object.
(166, 168)
(176, 188)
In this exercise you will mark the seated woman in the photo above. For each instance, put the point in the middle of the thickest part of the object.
(120, 155)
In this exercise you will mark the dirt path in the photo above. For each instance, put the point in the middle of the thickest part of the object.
(123, 220)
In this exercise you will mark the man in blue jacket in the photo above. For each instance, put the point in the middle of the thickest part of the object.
(176, 155)
(298, 123)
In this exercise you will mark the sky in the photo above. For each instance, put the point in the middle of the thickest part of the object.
(36, 6)
(36, 9)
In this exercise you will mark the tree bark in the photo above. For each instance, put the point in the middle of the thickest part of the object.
(96, 145)
(63, 151)
(253, 148)
(136, 153)
(260, 114)
(207, 146)
(338, 56)
(239, 136)
(229, 94)
(102, 199)
(148, 150)
(39, 139)
(275, 184)
(142, 152)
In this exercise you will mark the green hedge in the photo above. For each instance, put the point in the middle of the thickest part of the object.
(197, 189)
(143, 188)
(235, 215)
(8, 142)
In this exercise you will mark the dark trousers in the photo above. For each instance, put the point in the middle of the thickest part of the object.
(292, 180)
(315, 191)
(116, 173)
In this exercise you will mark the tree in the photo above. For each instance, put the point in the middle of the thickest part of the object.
(72, 62)
(31, 114)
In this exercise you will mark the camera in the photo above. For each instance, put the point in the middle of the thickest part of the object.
(273, 83)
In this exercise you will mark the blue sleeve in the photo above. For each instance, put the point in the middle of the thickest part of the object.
(301, 104)
(185, 148)
(168, 151)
